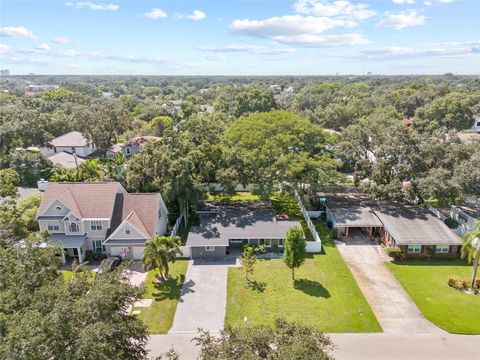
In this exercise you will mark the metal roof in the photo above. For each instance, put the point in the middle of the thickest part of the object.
(68, 241)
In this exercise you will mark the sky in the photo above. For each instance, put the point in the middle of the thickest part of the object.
(231, 37)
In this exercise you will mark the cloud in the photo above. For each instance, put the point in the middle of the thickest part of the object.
(340, 8)
(155, 13)
(4, 48)
(92, 6)
(433, 50)
(215, 58)
(402, 19)
(62, 40)
(17, 31)
(252, 49)
(196, 15)
(43, 47)
(404, 1)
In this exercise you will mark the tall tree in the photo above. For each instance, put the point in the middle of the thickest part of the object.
(471, 249)
(294, 250)
(9, 180)
(248, 261)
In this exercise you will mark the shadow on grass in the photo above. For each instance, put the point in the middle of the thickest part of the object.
(169, 289)
(258, 286)
(312, 288)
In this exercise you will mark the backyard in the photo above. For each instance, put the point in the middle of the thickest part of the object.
(426, 283)
(158, 317)
(324, 294)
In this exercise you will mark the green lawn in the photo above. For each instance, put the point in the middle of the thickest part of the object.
(238, 196)
(426, 283)
(159, 316)
(325, 295)
(285, 204)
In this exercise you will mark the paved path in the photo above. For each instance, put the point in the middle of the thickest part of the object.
(376, 346)
(203, 299)
(393, 307)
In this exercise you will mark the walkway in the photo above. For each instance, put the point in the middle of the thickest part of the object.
(394, 309)
(203, 299)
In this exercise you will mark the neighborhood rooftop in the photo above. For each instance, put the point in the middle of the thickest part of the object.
(66, 160)
(221, 222)
(73, 139)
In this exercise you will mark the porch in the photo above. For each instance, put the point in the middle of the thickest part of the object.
(72, 246)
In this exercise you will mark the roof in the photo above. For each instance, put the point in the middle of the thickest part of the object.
(409, 224)
(85, 200)
(68, 241)
(353, 210)
(407, 121)
(237, 221)
(65, 159)
(469, 210)
(73, 138)
(140, 140)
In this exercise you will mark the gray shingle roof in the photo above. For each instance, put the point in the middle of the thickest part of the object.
(238, 223)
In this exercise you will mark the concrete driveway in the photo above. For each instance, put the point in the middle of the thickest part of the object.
(394, 309)
(203, 298)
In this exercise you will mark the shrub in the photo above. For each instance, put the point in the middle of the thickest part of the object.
(452, 282)
(394, 252)
(94, 255)
(449, 256)
(452, 224)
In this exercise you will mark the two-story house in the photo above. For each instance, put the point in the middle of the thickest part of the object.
(100, 217)
(72, 142)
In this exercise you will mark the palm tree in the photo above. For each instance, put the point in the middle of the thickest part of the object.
(90, 170)
(471, 248)
(158, 252)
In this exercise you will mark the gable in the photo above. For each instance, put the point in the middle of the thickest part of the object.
(56, 208)
(119, 233)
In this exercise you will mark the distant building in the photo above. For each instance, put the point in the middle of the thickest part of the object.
(5, 72)
(72, 142)
(39, 88)
(66, 160)
(476, 124)
(132, 146)
(407, 121)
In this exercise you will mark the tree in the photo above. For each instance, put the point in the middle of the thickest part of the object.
(471, 249)
(159, 252)
(284, 341)
(294, 250)
(44, 316)
(9, 180)
(30, 166)
(275, 147)
(90, 170)
(255, 98)
(248, 260)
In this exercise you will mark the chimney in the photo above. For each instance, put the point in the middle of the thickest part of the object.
(42, 185)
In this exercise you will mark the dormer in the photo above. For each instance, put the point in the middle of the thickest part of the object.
(73, 225)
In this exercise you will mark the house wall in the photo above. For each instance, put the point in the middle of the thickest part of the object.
(466, 221)
(130, 150)
(82, 151)
(199, 252)
(454, 249)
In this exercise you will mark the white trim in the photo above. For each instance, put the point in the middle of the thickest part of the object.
(414, 248)
(120, 226)
(442, 247)
(50, 205)
(209, 248)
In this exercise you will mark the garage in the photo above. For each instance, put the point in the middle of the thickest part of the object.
(137, 252)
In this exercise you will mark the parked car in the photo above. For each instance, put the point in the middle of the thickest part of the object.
(109, 264)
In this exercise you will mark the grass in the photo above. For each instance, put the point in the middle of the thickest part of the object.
(159, 316)
(426, 283)
(238, 196)
(325, 295)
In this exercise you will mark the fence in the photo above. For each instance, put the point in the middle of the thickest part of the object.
(315, 246)
(184, 249)
(437, 213)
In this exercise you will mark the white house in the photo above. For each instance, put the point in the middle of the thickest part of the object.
(72, 142)
(476, 124)
(466, 216)
(101, 217)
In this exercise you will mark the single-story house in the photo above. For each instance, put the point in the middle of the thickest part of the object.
(406, 226)
(227, 226)
(66, 160)
(72, 142)
(100, 217)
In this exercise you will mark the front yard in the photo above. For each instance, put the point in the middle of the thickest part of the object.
(324, 296)
(426, 283)
(158, 317)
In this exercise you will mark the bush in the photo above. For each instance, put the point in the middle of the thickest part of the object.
(452, 224)
(449, 256)
(394, 252)
(463, 284)
(94, 255)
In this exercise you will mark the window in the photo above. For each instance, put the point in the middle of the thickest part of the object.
(442, 249)
(53, 226)
(209, 248)
(96, 225)
(268, 242)
(55, 150)
(261, 242)
(127, 229)
(128, 151)
(73, 227)
(58, 208)
(415, 248)
(280, 242)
